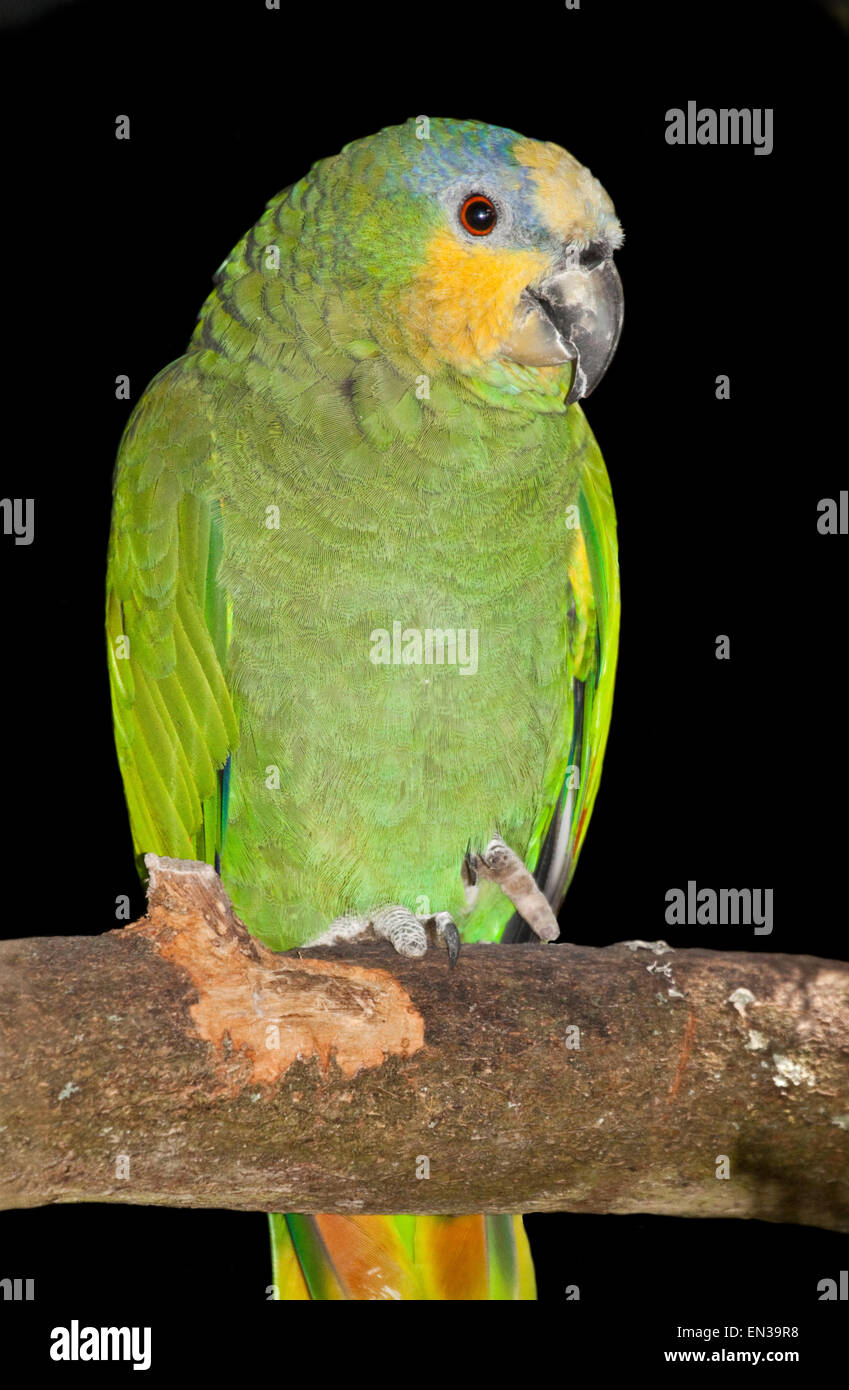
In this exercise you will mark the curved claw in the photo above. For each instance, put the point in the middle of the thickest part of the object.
(446, 931)
(468, 874)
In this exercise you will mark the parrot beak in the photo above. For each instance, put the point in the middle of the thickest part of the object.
(573, 315)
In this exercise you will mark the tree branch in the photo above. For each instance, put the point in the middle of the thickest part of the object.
(178, 1062)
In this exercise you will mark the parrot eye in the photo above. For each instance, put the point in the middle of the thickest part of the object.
(478, 215)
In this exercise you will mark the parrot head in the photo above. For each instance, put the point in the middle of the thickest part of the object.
(486, 251)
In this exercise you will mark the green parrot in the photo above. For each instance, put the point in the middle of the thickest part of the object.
(363, 595)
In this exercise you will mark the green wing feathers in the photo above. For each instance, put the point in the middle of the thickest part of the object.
(166, 621)
(594, 587)
(592, 605)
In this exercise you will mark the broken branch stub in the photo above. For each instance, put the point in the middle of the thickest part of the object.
(268, 1008)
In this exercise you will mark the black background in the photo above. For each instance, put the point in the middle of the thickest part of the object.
(728, 773)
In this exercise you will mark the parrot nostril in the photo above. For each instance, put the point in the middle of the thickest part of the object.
(593, 255)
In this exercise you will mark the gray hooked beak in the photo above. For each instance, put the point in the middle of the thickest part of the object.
(574, 315)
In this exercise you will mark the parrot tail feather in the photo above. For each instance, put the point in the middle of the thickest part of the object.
(425, 1258)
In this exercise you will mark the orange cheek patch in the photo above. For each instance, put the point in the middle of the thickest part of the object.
(464, 297)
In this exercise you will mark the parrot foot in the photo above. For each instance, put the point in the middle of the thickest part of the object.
(406, 931)
(503, 866)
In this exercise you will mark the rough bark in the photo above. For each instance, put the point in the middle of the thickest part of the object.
(143, 1066)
